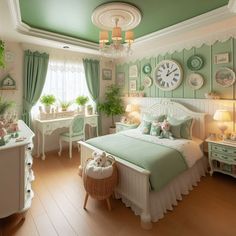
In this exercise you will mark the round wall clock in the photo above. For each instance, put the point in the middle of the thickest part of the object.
(168, 75)
(147, 69)
(225, 77)
(147, 81)
(195, 63)
(195, 81)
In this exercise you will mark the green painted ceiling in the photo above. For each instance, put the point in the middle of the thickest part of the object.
(73, 17)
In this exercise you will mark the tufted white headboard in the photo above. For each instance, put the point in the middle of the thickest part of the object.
(178, 110)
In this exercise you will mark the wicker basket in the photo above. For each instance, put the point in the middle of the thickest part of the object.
(101, 188)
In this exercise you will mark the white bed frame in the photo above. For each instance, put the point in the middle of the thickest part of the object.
(133, 180)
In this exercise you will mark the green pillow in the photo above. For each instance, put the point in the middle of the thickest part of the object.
(155, 129)
(151, 117)
(181, 128)
(145, 129)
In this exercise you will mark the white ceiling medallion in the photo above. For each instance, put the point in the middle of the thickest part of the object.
(104, 16)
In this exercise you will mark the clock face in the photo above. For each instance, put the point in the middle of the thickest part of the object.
(168, 75)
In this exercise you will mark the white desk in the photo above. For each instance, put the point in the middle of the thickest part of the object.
(46, 127)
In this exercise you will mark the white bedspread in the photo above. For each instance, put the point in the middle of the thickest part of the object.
(190, 149)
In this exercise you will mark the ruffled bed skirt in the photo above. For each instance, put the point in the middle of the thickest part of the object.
(169, 196)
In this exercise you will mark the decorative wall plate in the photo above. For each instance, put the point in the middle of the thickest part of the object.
(168, 75)
(147, 69)
(195, 63)
(8, 83)
(195, 81)
(225, 77)
(147, 81)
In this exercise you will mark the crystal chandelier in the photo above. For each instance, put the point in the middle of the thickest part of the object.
(116, 17)
(116, 48)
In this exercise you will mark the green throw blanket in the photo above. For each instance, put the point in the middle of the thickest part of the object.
(164, 163)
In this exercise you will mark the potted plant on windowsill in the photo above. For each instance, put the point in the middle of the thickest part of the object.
(48, 101)
(81, 101)
(113, 104)
(65, 105)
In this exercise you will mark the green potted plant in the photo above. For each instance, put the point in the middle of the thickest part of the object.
(89, 109)
(48, 101)
(4, 106)
(113, 104)
(65, 105)
(2, 49)
(81, 101)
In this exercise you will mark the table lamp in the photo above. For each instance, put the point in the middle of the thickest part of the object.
(132, 110)
(222, 116)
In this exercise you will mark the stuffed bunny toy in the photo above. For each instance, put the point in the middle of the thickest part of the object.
(165, 130)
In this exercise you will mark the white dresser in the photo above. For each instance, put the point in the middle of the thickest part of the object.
(16, 174)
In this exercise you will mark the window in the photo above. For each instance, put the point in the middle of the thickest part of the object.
(65, 80)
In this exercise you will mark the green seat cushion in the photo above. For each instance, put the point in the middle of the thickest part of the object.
(67, 134)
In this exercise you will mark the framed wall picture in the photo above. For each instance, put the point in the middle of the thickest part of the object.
(221, 58)
(132, 85)
(106, 74)
(120, 79)
(133, 71)
(8, 83)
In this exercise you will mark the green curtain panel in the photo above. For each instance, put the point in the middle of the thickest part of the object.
(92, 75)
(35, 70)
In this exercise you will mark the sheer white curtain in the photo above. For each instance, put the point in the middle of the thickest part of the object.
(65, 80)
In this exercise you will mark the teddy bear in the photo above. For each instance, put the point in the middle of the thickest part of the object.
(165, 130)
(100, 159)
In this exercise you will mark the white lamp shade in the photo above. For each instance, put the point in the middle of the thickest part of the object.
(222, 115)
(132, 108)
(128, 108)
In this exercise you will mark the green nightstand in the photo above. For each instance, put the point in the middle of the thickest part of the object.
(122, 126)
(222, 157)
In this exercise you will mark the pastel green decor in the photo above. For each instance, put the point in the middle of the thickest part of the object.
(150, 117)
(155, 129)
(50, 16)
(208, 71)
(146, 126)
(92, 75)
(35, 70)
(150, 156)
(181, 128)
(48, 100)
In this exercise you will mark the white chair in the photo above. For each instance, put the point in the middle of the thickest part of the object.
(76, 133)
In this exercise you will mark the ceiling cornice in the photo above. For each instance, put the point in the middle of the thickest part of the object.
(31, 31)
(190, 24)
(172, 31)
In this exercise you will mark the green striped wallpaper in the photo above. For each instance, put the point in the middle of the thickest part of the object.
(184, 91)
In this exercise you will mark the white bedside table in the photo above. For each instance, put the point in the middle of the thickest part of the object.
(222, 157)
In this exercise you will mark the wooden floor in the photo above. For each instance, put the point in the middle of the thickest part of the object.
(57, 208)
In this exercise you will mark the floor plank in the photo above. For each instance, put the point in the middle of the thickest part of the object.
(57, 207)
